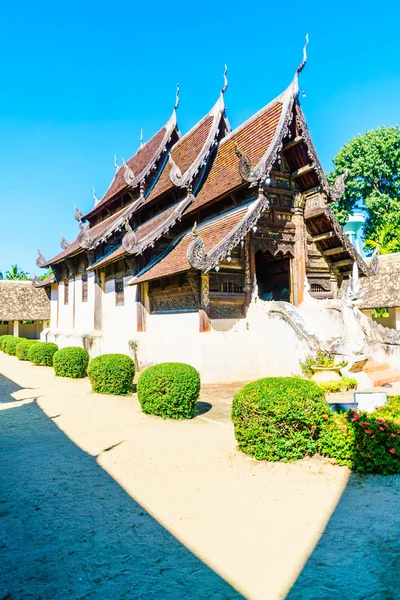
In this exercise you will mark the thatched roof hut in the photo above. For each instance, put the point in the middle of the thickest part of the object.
(383, 290)
(21, 301)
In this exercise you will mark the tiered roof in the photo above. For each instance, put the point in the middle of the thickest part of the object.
(192, 172)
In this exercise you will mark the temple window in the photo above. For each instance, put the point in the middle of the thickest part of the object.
(119, 292)
(84, 287)
(66, 291)
(315, 287)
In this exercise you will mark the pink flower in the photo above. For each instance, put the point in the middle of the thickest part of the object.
(393, 435)
(392, 450)
(355, 417)
(382, 428)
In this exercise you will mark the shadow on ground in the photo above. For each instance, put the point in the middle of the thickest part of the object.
(358, 555)
(68, 530)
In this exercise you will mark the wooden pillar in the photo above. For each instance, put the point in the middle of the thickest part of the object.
(300, 256)
(204, 312)
(249, 269)
(98, 291)
(334, 285)
(140, 308)
(16, 329)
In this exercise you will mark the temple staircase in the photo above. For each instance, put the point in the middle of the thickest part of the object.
(380, 373)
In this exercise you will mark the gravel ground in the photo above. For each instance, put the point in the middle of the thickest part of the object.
(98, 501)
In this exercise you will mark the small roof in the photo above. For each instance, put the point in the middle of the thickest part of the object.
(383, 289)
(253, 138)
(21, 301)
(174, 259)
(190, 152)
(139, 165)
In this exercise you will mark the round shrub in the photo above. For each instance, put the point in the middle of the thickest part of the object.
(23, 348)
(169, 390)
(10, 345)
(279, 418)
(71, 362)
(112, 374)
(3, 340)
(42, 353)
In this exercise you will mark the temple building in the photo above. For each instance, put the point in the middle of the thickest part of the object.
(192, 229)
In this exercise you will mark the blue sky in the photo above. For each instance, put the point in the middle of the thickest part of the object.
(80, 79)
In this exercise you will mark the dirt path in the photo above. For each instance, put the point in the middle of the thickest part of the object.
(122, 505)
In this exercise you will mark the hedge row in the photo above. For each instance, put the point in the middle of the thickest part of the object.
(287, 418)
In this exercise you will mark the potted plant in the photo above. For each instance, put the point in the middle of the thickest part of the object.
(322, 366)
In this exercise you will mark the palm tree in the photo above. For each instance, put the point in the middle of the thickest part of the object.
(384, 241)
(17, 273)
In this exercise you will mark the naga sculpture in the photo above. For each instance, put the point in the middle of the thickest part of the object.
(40, 261)
(64, 243)
(129, 241)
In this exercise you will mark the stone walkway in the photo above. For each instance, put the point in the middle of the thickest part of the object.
(98, 501)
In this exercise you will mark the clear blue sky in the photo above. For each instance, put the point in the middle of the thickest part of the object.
(79, 80)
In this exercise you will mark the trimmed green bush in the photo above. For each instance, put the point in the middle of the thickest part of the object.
(3, 340)
(335, 386)
(112, 374)
(368, 443)
(71, 362)
(41, 354)
(169, 390)
(10, 345)
(23, 348)
(279, 418)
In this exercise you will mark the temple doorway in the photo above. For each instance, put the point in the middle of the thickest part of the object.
(273, 276)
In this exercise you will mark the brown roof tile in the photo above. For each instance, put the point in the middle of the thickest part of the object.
(176, 261)
(184, 153)
(253, 138)
(136, 163)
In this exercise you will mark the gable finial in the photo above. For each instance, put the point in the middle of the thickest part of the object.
(301, 66)
(176, 97)
(141, 138)
(116, 165)
(225, 86)
(96, 200)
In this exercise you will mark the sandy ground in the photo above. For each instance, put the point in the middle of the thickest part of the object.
(99, 501)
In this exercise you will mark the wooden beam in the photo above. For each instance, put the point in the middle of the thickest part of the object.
(293, 142)
(336, 250)
(342, 263)
(302, 171)
(323, 236)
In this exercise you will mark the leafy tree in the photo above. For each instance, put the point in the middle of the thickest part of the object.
(372, 162)
(46, 274)
(17, 273)
(384, 241)
(1, 275)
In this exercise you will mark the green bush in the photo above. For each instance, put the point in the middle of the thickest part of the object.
(337, 438)
(23, 348)
(169, 390)
(10, 345)
(3, 340)
(42, 353)
(368, 443)
(279, 418)
(335, 386)
(71, 362)
(112, 374)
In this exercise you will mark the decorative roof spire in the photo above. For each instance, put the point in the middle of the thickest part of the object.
(116, 165)
(64, 243)
(176, 97)
(40, 261)
(95, 199)
(141, 138)
(225, 86)
(300, 67)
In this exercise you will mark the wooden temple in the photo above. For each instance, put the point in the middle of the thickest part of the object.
(203, 221)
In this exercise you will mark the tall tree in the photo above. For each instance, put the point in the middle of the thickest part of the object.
(17, 273)
(372, 162)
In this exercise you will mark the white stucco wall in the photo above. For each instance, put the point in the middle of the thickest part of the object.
(84, 311)
(118, 322)
(54, 305)
(65, 311)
